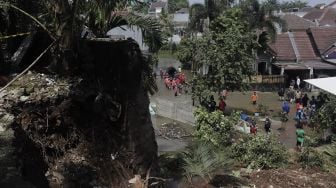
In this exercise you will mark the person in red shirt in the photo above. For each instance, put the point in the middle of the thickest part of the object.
(221, 105)
(173, 83)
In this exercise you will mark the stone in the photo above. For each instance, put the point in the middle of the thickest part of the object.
(24, 98)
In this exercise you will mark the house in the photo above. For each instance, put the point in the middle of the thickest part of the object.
(332, 4)
(325, 41)
(322, 17)
(296, 23)
(194, 2)
(300, 12)
(125, 31)
(296, 55)
(156, 8)
(180, 21)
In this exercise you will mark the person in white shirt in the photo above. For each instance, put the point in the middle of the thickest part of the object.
(298, 81)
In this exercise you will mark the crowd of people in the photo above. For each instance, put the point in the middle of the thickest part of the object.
(173, 81)
(305, 107)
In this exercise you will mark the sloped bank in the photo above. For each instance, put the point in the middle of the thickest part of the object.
(91, 129)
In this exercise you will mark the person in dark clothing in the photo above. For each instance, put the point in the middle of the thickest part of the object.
(281, 94)
(312, 101)
(212, 104)
(267, 125)
(305, 100)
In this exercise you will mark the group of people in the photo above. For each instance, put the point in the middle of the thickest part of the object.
(173, 82)
(211, 105)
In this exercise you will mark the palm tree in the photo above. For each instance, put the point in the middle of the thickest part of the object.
(262, 20)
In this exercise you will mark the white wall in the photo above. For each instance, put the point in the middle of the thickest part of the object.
(133, 32)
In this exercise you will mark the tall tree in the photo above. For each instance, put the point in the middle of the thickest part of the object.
(262, 20)
(228, 51)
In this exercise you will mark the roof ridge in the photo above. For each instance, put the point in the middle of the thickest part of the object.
(324, 13)
(294, 46)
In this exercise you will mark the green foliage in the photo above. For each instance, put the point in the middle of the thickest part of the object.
(260, 151)
(167, 25)
(263, 109)
(309, 157)
(330, 152)
(260, 19)
(227, 50)
(326, 115)
(175, 5)
(149, 82)
(214, 127)
(287, 5)
(185, 52)
(203, 158)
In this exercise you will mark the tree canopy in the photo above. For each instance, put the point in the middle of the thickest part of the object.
(227, 50)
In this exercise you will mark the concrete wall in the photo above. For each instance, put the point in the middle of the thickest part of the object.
(173, 110)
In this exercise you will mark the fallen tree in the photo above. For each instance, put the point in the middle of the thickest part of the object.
(90, 129)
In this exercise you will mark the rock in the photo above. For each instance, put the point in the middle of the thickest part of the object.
(24, 98)
(6, 120)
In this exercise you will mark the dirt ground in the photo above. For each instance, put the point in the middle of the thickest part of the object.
(295, 177)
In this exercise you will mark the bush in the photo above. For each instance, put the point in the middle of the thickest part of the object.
(203, 158)
(309, 157)
(214, 127)
(262, 109)
(260, 151)
(330, 151)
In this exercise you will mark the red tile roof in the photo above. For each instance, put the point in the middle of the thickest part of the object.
(313, 15)
(296, 23)
(283, 48)
(304, 46)
(328, 17)
(323, 37)
(332, 4)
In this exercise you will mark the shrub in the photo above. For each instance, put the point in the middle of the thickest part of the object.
(203, 158)
(214, 127)
(309, 157)
(330, 151)
(260, 151)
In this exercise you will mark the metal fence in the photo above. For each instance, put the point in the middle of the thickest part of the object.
(267, 82)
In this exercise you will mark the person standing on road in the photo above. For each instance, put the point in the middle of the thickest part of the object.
(161, 74)
(300, 133)
(305, 100)
(281, 93)
(298, 82)
(285, 107)
(267, 125)
(221, 105)
(254, 98)
(298, 96)
(212, 104)
(224, 93)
